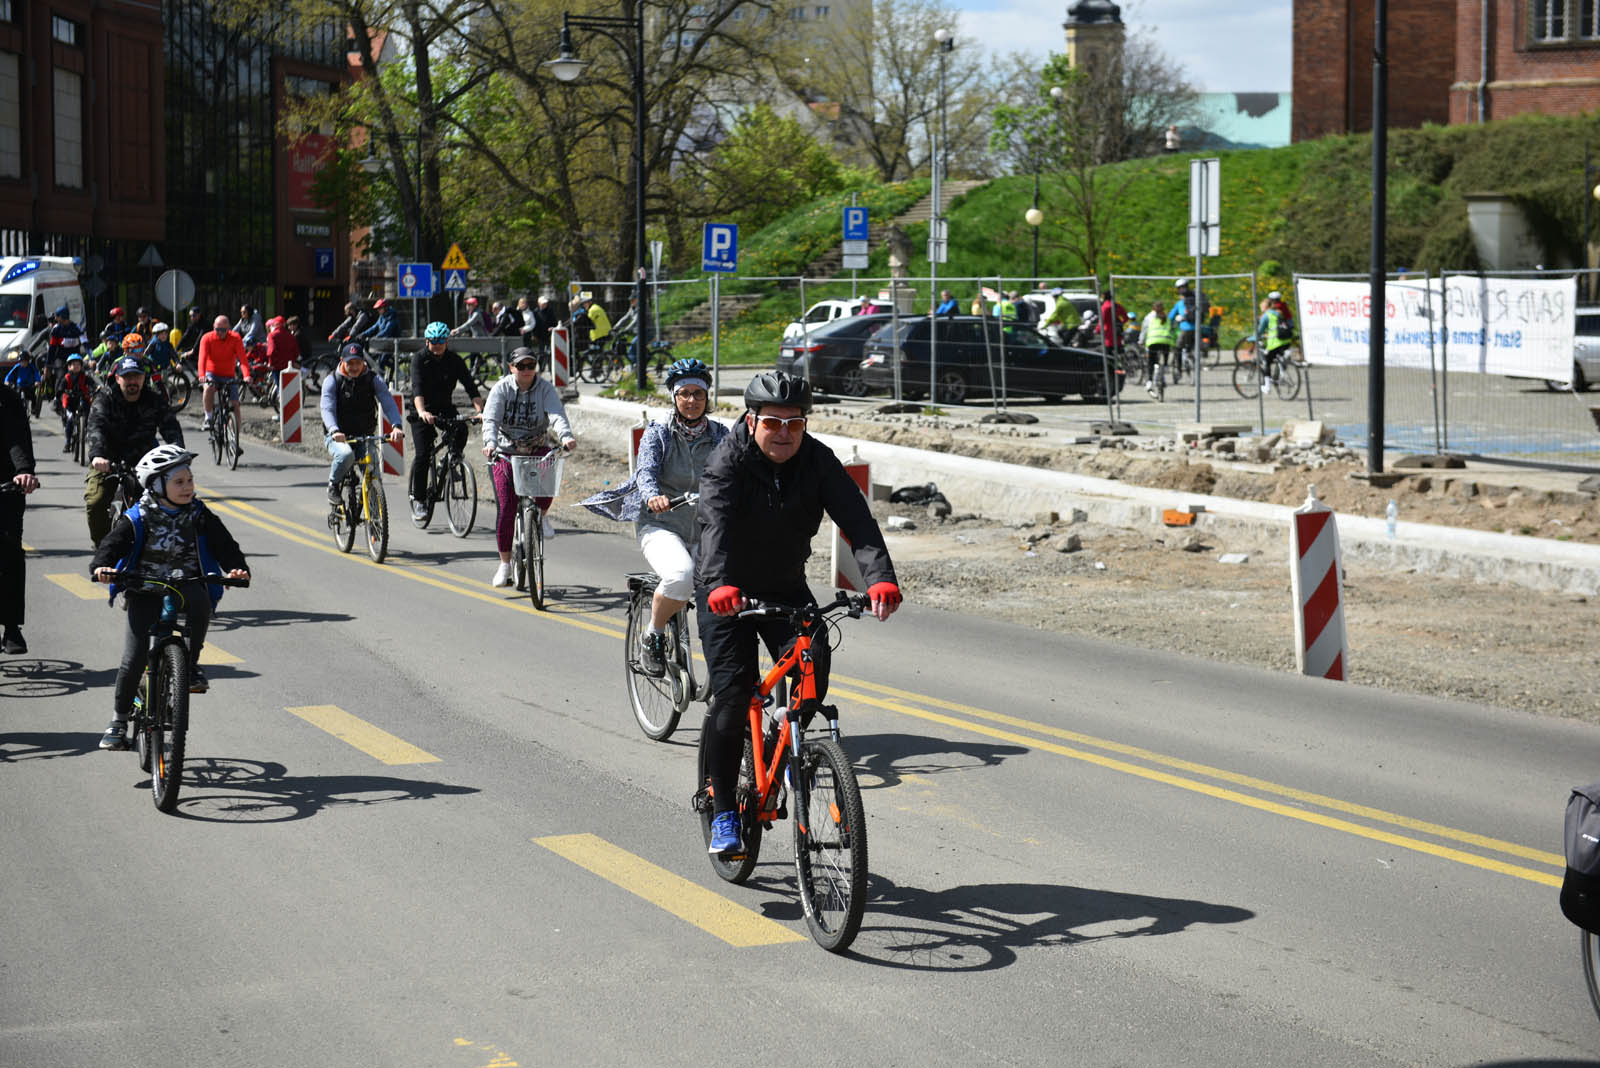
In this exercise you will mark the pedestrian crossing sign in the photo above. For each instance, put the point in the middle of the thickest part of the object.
(455, 281)
(454, 260)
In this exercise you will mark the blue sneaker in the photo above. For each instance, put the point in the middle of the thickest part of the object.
(725, 833)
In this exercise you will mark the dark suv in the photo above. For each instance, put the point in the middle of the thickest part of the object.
(1016, 359)
(829, 354)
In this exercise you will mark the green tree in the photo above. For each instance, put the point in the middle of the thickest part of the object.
(768, 165)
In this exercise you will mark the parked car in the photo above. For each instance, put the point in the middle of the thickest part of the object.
(1585, 352)
(1032, 365)
(829, 355)
(823, 311)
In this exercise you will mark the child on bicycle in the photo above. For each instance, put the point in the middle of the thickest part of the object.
(168, 539)
(521, 411)
(77, 394)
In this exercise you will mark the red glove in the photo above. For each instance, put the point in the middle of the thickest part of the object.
(725, 600)
(887, 592)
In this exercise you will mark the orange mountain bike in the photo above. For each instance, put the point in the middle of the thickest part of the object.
(830, 830)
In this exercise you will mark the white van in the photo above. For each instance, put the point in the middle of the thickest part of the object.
(31, 289)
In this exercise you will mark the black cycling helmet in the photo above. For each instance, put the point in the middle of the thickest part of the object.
(776, 387)
(687, 368)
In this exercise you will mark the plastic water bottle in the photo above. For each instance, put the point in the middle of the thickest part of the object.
(1391, 514)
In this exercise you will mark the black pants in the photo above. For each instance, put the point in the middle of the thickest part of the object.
(13, 564)
(144, 612)
(422, 438)
(729, 644)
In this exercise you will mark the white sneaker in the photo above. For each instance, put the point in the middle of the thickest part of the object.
(502, 575)
(1150, 388)
(1266, 386)
(549, 531)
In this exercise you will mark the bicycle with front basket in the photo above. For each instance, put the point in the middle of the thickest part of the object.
(532, 477)
(659, 702)
(158, 729)
(830, 830)
(362, 502)
(451, 478)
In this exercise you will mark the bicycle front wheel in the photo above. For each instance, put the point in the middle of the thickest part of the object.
(1589, 945)
(342, 520)
(519, 551)
(216, 438)
(533, 530)
(653, 700)
(234, 451)
(460, 497)
(1246, 379)
(80, 439)
(168, 724)
(830, 844)
(1287, 384)
(734, 868)
(377, 520)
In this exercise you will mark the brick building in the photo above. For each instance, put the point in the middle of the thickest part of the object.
(1542, 55)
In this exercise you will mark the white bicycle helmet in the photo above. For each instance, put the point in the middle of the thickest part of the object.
(160, 460)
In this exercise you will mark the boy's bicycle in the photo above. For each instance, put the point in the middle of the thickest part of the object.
(224, 433)
(1285, 374)
(159, 726)
(830, 830)
(532, 477)
(450, 477)
(659, 702)
(363, 502)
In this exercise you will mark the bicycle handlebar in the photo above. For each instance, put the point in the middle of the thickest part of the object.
(218, 580)
(853, 604)
(682, 499)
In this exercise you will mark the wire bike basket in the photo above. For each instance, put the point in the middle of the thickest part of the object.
(537, 476)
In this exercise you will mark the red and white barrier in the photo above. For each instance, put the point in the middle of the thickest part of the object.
(394, 453)
(560, 358)
(846, 572)
(1315, 574)
(636, 435)
(289, 404)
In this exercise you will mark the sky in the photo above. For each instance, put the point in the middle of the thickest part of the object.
(1239, 46)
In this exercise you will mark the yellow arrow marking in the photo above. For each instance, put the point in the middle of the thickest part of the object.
(374, 741)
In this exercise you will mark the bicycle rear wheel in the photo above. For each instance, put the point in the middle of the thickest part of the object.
(654, 700)
(178, 389)
(830, 844)
(533, 533)
(168, 724)
(1247, 379)
(734, 868)
(1244, 350)
(377, 519)
(216, 438)
(460, 496)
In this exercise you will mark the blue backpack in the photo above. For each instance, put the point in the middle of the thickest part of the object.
(208, 562)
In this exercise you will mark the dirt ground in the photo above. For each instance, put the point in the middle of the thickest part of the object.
(1494, 644)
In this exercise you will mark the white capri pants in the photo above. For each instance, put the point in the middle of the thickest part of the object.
(667, 556)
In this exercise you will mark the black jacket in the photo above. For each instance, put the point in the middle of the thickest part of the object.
(757, 518)
(122, 431)
(116, 545)
(434, 378)
(16, 436)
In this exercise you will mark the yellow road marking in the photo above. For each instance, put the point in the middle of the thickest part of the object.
(28, 548)
(711, 912)
(210, 654)
(899, 706)
(81, 586)
(374, 741)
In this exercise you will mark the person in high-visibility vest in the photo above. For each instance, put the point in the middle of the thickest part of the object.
(1005, 307)
(1155, 334)
(1271, 340)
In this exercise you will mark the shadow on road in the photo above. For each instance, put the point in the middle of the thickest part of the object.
(882, 760)
(226, 790)
(579, 600)
(38, 677)
(272, 617)
(44, 745)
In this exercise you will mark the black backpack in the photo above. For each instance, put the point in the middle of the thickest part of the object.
(1580, 889)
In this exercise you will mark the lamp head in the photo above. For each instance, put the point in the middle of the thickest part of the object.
(566, 66)
(1034, 216)
(1056, 92)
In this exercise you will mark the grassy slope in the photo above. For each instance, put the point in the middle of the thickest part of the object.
(1300, 208)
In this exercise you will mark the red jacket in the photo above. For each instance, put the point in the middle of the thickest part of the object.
(282, 349)
(75, 387)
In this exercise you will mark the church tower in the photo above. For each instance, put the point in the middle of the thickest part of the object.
(1094, 32)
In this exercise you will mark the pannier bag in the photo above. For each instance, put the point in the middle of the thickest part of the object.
(1580, 889)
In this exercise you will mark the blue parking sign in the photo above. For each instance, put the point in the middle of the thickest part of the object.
(324, 262)
(855, 224)
(720, 247)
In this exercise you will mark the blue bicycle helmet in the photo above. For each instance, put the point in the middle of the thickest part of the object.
(436, 332)
(687, 368)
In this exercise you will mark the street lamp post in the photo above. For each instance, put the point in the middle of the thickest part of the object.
(566, 67)
(1035, 217)
(1591, 171)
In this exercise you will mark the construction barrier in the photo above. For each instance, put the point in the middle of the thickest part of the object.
(394, 453)
(289, 405)
(560, 358)
(1315, 569)
(846, 572)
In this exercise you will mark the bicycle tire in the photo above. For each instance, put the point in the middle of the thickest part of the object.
(377, 519)
(735, 868)
(653, 700)
(1589, 947)
(1287, 384)
(519, 552)
(1244, 350)
(460, 496)
(178, 389)
(216, 441)
(830, 844)
(342, 520)
(80, 439)
(1246, 380)
(168, 724)
(534, 525)
(232, 443)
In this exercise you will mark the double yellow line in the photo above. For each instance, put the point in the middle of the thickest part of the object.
(1219, 783)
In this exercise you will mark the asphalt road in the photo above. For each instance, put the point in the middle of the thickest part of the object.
(419, 827)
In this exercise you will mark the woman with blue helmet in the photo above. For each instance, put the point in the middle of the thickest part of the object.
(671, 456)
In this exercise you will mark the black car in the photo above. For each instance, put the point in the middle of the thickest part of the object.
(829, 355)
(1014, 359)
